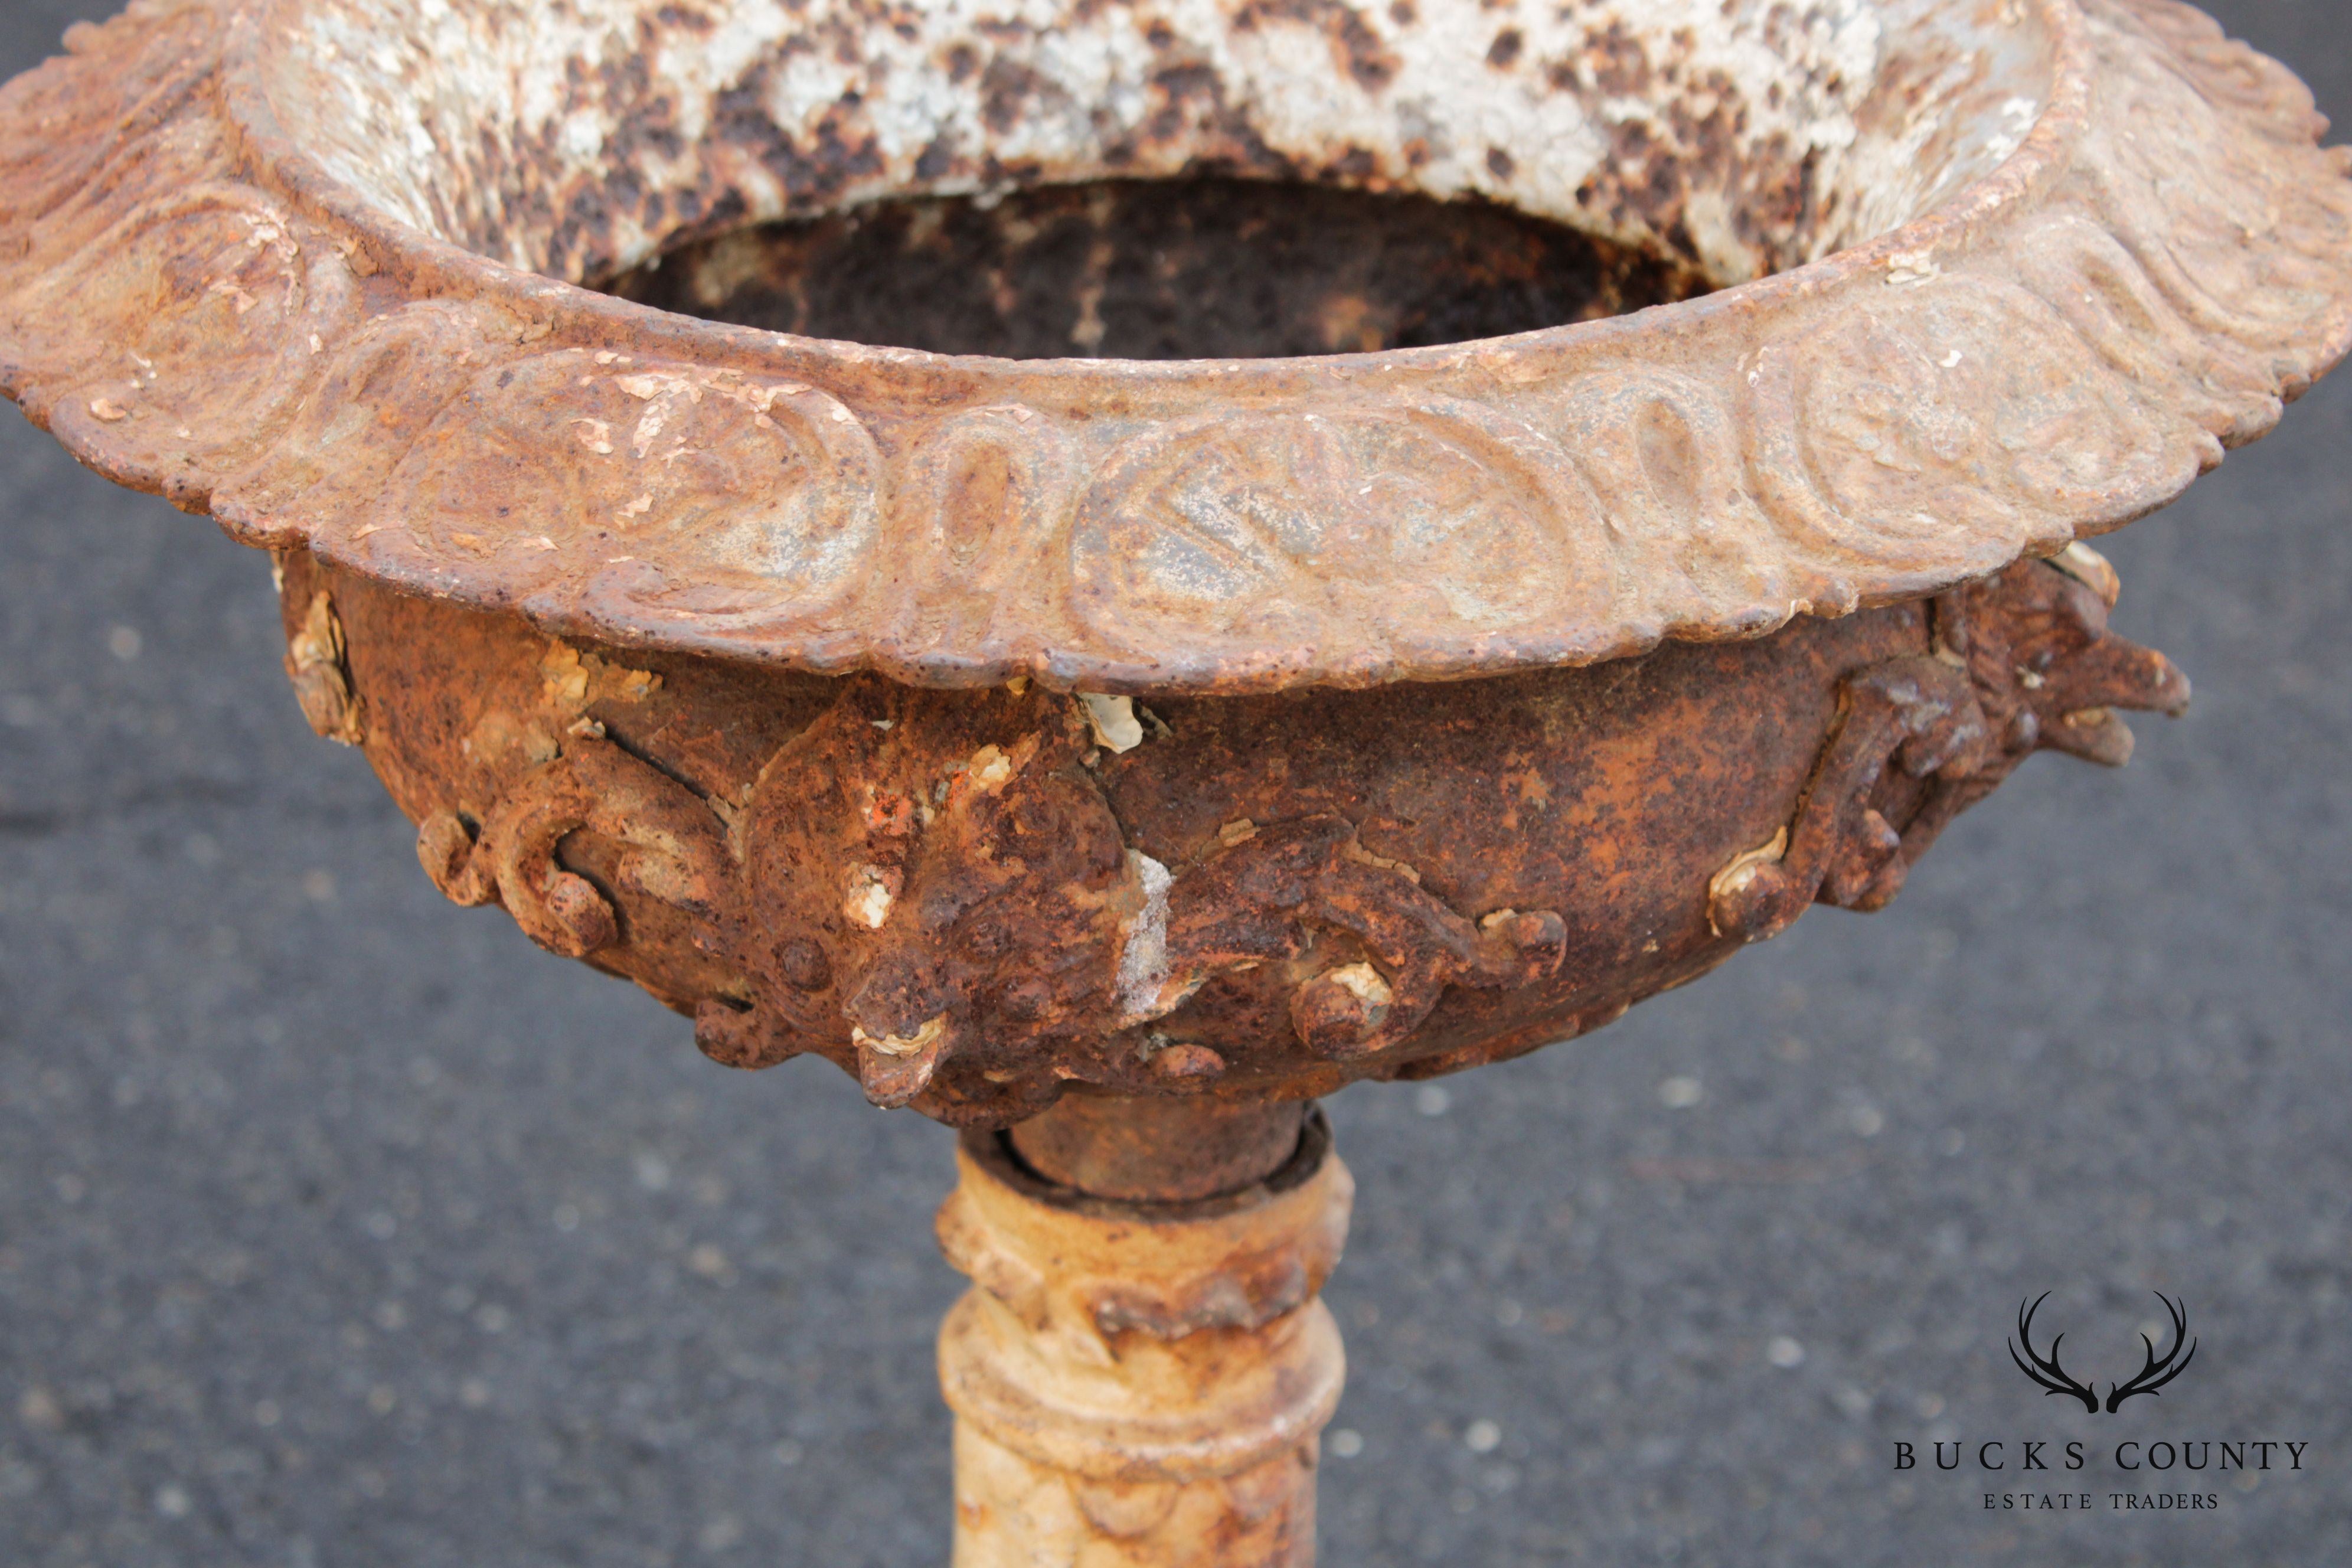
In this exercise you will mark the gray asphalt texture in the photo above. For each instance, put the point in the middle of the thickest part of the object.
(340, 1227)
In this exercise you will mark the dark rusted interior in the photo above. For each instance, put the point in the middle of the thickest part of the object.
(1208, 268)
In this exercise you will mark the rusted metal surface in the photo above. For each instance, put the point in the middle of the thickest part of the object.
(1198, 838)
(1994, 274)
(1156, 1148)
(1187, 739)
(974, 900)
(1140, 1383)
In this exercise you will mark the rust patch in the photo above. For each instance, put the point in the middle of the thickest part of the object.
(971, 903)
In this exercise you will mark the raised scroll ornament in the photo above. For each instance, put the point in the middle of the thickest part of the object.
(2022, 661)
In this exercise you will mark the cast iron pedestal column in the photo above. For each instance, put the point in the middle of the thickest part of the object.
(1141, 1370)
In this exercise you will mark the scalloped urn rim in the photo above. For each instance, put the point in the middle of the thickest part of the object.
(2060, 346)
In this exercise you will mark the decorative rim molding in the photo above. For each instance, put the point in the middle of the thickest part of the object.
(197, 307)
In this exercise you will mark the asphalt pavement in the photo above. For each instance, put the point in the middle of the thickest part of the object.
(342, 1227)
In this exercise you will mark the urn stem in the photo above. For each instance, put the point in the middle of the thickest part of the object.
(1141, 1381)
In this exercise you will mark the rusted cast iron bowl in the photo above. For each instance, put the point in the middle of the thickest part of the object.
(1344, 701)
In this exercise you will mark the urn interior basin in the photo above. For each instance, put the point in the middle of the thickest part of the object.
(1180, 549)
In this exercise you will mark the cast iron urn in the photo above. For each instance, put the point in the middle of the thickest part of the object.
(1114, 568)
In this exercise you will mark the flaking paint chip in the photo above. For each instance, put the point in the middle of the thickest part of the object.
(1907, 267)
(922, 1039)
(1364, 983)
(1114, 720)
(990, 769)
(871, 895)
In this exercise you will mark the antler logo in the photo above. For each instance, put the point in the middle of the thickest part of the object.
(2053, 1378)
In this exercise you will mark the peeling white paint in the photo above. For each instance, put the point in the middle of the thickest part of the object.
(1143, 959)
(1114, 720)
(871, 896)
(444, 114)
(1362, 982)
(990, 769)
